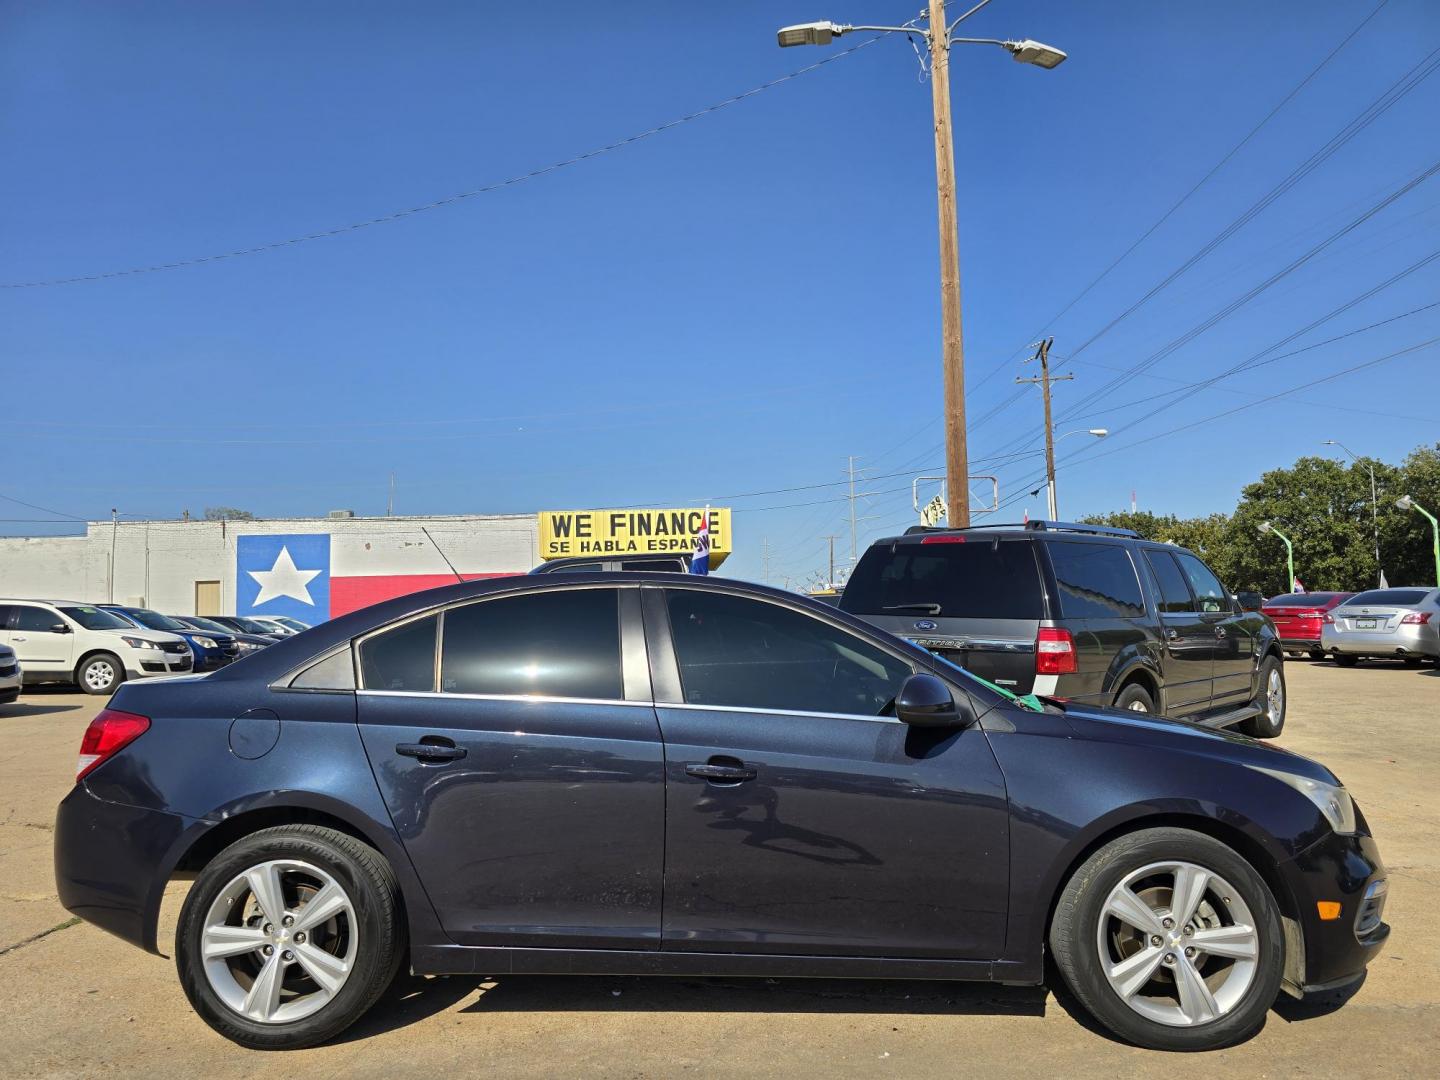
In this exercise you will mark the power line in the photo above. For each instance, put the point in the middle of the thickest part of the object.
(42, 509)
(449, 199)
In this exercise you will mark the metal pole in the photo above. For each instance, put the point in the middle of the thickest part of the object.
(114, 532)
(1289, 557)
(957, 464)
(1434, 532)
(1375, 521)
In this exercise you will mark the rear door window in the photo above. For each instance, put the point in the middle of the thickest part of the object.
(1174, 592)
(402, 659)
(1096, 581)
(972, 578)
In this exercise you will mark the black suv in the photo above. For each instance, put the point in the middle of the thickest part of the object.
(1079, 612)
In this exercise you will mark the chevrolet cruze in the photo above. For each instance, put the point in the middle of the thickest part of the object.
(640, 772)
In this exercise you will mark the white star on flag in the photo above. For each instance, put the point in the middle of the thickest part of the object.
(283, 579)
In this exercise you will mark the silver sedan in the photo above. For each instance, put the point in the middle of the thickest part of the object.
(1399, 624)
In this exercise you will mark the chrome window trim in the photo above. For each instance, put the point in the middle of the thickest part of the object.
(782, 712)
(536, 699)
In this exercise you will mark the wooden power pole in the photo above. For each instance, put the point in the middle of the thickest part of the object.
(1042, 353)
(957, 463)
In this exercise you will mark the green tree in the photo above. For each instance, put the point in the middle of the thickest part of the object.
(227, 513)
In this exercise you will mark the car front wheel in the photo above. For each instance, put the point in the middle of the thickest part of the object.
(1171, 940)
(288, 936)
(101, 674)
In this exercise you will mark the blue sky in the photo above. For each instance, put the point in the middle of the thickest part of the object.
(732, 306)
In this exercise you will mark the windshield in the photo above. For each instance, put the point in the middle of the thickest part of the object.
(954, 578)
(253, 626)
(206, 624)
(153, 620)
(92, 618)
(1403, 597)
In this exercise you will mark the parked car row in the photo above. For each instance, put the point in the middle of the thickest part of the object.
(1395, 624)
(99, 646)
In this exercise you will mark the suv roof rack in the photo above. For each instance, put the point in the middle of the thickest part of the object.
(1031, 526)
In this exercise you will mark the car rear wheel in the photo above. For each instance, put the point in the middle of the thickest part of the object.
(1135, 698)
(288, 936)
(1342, 660)
(1171, 940)
(101, 674)
(1270, 700)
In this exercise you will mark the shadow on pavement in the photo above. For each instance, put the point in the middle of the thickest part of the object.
(412, 998)
(32, 708)
(1316, 1005)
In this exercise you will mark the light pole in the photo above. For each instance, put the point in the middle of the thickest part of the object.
(1374, 506)
(1266, 527)
(1054, 501)
(114, 534)
(940, 36)
(1405, 502)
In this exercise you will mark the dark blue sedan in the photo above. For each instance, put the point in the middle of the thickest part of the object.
(639, 772)
(212, 650)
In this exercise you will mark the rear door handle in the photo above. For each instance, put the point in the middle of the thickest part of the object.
(721, 772)
(435, 752)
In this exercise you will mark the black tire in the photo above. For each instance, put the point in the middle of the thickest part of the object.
(1135, 698)
(1078, 920)
(369, 884)
(1345, 660)
(1413, 661)
(1316, 655)
(91, 675)
(1269, 722)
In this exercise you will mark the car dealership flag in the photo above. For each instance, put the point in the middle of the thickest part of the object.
(700, 561)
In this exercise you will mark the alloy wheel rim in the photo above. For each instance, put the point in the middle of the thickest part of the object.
(280, 941)
(1137, 706)
(1275, 697)
(1178, 944)
(99, 674)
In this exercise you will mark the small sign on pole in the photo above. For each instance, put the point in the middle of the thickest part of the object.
(933, 512)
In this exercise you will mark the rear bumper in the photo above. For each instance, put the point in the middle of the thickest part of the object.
(1336, 868)
(1305, 644)
(1418, 640)
(112, 862)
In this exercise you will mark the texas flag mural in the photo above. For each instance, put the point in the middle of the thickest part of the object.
(293, 574)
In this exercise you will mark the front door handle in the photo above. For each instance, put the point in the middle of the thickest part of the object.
(1171, 634)
(721, 771)
(437, 751)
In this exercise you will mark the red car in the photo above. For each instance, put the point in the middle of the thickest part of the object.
(1299, 616)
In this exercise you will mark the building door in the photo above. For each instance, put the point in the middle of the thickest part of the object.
(207, 598)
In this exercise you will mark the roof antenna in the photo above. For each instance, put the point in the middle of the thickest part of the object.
(442, 554)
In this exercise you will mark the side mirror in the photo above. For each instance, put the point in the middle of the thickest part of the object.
(925, 701)
(59, 628)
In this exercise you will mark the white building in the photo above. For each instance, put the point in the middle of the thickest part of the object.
(310, 568)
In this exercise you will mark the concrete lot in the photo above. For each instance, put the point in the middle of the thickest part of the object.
(75, 1001)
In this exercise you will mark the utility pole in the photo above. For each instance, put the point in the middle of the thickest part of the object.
(390, 503)
(829, 581)
(957, 462)
(765, 557)
(1042, 353)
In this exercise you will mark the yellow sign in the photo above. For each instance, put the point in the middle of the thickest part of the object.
(567, 533)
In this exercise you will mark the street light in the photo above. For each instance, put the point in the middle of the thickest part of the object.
(1053, 500)
(940, 36)
(1405, 502)
(1266, 527)
(1374, 507)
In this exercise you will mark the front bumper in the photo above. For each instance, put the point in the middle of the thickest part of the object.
(145, 663)
(112, 862)
(1335, 868)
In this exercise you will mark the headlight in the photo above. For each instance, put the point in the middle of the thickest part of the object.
(1332, 800)
(139, 643)
(204, 642)
(247, 646)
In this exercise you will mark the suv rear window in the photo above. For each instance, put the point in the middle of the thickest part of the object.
(1096, 581)
(977, 579)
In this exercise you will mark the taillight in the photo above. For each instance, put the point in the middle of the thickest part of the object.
(1054, 651)
(1420, 617)
(1330, 618)
(107, 735)
(943, 538)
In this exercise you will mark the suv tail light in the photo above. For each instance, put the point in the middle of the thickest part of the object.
(1420, 617)
(943, 538)
(1054, 651)
(107, 735)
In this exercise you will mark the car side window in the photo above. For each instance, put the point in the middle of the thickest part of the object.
(744, 653)
(559, 643)
(1174, 593)
(1096, 581)
(335, 672)
(34, 620)
(1208, 590)
(401, 659)
(5, 611)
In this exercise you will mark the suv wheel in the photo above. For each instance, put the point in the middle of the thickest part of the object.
(1171, 940)
(288, 936)
(1135, 698)
(1270, 699)
(101, 674)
